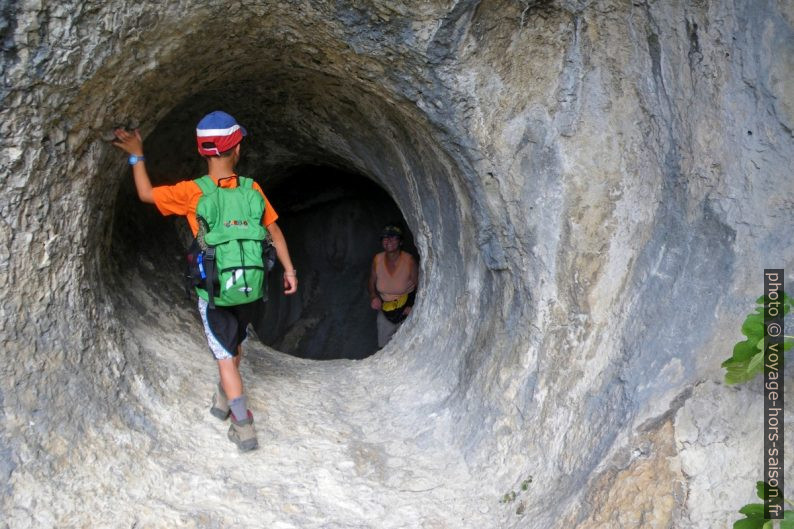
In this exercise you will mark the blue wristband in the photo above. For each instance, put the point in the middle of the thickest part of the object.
(133, 159)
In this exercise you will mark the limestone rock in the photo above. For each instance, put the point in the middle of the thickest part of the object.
(594, 189)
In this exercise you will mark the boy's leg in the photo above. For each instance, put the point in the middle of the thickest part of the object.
(229, 370)
(231, 381)
(223, 329)
(232, 384)
(239, 357)
(241, 429)
(220, 399)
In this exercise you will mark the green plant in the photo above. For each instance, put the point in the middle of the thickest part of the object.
(746, 362)
(510, 497)
(748, 355)
(754, 513)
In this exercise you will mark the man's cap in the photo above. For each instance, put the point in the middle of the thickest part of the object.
(391, 230)
(218, 132)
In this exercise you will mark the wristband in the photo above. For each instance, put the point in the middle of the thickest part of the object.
(293, 274)
(134, 158)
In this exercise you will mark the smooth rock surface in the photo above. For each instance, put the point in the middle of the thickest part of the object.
(594, 188)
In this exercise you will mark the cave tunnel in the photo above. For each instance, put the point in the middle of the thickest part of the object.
(332, 220)
(574, 185)
(338, 158)
(329, 210)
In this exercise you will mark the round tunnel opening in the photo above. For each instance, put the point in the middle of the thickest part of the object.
(332, 219)
(294, 126)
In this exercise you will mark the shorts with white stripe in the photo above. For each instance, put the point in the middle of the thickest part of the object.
(225, 326)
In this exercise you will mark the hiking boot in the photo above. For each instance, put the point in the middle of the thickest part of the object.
(242, 433)
(220, 404)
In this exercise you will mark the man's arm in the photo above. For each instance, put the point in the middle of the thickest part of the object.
(374, 299)
(290, 274)
(131, 142)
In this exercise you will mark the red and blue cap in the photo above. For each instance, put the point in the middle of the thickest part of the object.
(217, 132)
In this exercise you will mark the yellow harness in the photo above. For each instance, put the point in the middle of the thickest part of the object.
(396, 304)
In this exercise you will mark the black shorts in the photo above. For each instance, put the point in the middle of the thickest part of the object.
(225, 326)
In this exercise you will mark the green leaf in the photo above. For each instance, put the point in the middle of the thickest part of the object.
(744, 350)
(756, 365)
(760, 489)
(753, 510)
(753, 323)
(737, 364)
(736, 371)
(788, 520)
(784, 299)
(745, 363)
(749, 523)
(768, 525)
(753, 327)
(731, 378)
(737, 378)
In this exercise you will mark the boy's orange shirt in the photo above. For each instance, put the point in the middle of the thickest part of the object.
(182, 199)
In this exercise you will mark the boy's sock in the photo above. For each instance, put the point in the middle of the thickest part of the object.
(239, 408)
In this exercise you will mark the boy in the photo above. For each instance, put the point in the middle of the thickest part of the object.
(218, 136)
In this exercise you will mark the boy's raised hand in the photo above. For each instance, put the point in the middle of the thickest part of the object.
(130, 142)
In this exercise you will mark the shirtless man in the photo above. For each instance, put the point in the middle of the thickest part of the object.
(392, 283)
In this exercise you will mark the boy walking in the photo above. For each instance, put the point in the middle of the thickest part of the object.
(218, 136)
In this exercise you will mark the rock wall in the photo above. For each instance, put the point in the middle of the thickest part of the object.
(594, 189)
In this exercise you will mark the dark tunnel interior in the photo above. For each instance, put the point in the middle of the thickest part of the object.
(331, 218)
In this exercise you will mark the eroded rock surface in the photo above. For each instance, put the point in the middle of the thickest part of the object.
(594, 189)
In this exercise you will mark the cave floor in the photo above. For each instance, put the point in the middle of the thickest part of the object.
(343, 444)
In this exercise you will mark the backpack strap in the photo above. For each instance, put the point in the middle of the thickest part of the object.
(206, 184)
(208, 187)
(248, 183)
(209, 269)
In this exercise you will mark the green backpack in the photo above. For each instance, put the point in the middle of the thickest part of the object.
(227, 258)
